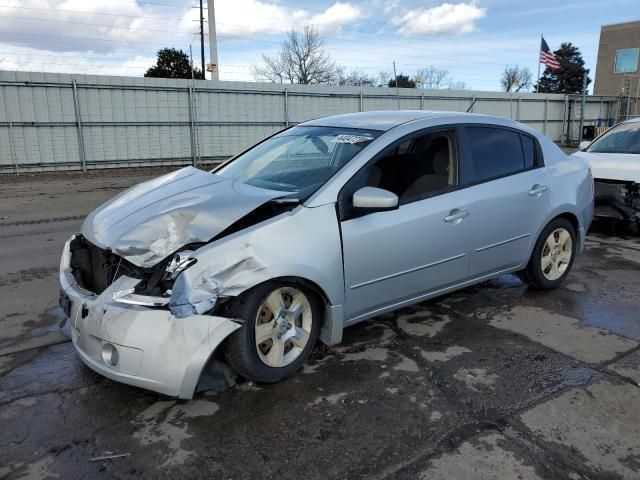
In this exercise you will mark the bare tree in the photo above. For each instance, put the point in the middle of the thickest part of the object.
(432, 77)
(302, 59)
(354, 78)
(453, 85)
(436, 78)
(515, 79)
(382, 80)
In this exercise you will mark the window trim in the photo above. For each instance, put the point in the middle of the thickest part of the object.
(469, 169)
(453, 130)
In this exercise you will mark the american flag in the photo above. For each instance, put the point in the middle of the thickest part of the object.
(548, 58)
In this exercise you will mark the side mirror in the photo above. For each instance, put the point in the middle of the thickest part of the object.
(584, 144)
(375, 199)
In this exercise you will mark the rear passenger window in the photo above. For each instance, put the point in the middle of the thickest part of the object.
(495, 152)
(529, 148)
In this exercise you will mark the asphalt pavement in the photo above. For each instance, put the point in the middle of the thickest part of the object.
(494, 381)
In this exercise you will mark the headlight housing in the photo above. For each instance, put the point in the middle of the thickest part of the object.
(179, 263)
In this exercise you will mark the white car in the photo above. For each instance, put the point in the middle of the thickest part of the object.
(615, 163)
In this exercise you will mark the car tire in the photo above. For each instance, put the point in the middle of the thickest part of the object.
(552, 256)
(270, 346)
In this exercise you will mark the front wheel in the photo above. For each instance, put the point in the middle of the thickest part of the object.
(552, 256)
(281, 326)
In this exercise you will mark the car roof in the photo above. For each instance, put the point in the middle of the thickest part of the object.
(632, 120)
(386, 120)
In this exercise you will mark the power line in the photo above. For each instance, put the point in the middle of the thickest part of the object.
(27, 56)
(439, 56)
(279, 20)
(114, 27)
(85, 12)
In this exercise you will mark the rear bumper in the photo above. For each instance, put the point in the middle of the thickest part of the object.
(140, 346)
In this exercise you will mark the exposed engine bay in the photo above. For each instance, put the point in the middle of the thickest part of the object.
(620, 200)
(95, 268)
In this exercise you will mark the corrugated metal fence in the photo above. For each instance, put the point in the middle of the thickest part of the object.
(58, 121)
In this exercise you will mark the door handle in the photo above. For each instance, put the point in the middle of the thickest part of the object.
(456, 215)
(537, 190)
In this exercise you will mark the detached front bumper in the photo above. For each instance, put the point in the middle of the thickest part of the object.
(142, 346)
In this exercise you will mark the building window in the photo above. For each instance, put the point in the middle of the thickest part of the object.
(626, 60)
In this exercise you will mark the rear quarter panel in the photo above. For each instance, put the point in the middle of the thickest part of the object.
(571, 187)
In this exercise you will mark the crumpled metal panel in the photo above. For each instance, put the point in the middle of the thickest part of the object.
(149, 221)
(271, 249)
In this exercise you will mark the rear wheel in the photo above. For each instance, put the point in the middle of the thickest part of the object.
(281, 326)
(552, 256)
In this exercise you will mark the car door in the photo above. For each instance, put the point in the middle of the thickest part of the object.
(511, 197)
(391, 257)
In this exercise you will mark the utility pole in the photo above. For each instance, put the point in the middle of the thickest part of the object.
(396, 77)
(539, 50)
(213, 41)
(191, 61)
(202, 38)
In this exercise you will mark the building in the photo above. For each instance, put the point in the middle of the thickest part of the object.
(617, 70)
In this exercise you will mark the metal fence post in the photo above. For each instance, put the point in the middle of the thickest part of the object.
(361, 100)
(583, 104)
(565, 117)
(518, 112)
(76, 106)
(546, 115)
(422, 101)
(286, 107)
(192, 130)
(12, 148)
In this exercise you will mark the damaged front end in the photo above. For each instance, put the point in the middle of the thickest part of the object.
(129, 334)
(95, 269)
(134, 317)
(618, 199)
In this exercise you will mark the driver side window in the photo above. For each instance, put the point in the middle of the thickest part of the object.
(417, 167)
(414, 168)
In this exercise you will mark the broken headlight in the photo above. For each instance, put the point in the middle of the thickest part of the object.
(179, 263)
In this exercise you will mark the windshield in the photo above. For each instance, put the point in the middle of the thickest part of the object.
(623, 138)
(299, 160)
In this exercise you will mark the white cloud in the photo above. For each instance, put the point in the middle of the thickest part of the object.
(390, 6)
(89, 25)
(99, 26)
(243, 18)
(336, 16)
(446, 18)
(37, 59)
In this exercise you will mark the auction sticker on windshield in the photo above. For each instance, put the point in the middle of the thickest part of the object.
(351, 139)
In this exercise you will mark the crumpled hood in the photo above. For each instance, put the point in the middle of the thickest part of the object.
(149, 221)
(613, 166)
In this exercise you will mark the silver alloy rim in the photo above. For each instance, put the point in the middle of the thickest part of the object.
(556, 254)
(283, 326)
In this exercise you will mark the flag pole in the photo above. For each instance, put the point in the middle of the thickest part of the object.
(539, 50)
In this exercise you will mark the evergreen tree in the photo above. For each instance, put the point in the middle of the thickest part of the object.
(402, 81)
(173, 63)
(568, 78)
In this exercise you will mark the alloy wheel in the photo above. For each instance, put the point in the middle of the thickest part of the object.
(556, 254)
(283, 326)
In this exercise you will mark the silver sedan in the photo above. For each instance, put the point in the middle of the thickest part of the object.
(321, 226)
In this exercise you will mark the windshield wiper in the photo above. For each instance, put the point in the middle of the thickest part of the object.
(286, 200)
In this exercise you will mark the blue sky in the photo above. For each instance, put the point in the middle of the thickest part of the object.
(473, 40)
